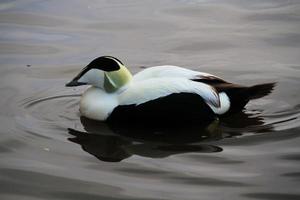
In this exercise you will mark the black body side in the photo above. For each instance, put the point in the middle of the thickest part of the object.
(176, 110)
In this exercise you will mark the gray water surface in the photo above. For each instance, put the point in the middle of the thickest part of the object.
(48, 152)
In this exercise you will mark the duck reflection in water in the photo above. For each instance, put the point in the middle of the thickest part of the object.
(116, 143)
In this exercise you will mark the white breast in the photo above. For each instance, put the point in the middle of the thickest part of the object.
(97, 104)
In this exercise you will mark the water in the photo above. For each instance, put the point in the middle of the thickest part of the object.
(45, 151)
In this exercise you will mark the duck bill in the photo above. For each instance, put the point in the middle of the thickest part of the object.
(75, 83)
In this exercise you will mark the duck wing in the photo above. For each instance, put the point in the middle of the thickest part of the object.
(238, 95)
(143, 91)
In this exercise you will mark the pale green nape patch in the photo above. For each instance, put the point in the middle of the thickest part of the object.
(116, 79)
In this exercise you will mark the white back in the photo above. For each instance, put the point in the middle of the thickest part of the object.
(169, 71)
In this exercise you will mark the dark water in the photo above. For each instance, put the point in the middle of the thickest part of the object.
(46, 152)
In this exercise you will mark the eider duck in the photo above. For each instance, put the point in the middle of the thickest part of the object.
(161, 95)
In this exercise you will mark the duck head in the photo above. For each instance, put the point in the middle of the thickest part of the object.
(105, 72)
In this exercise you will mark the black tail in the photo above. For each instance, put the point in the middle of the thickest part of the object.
(261, 90)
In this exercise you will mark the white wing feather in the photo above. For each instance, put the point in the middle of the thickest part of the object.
(153, 88)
